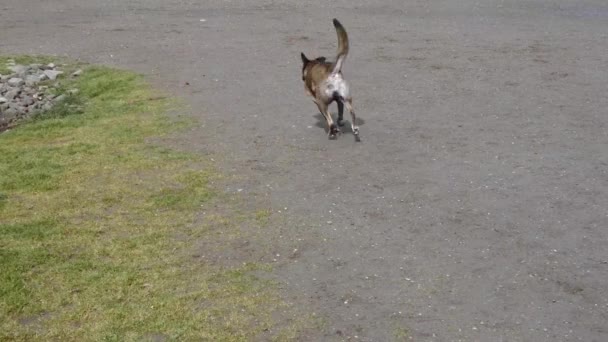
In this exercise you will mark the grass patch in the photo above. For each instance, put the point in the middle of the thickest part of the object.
(89, 214)
(23, 60)
(262, 216)
(401, 333)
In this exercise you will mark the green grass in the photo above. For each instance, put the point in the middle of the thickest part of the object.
(24, 60)
(89, 215)
(401, 333)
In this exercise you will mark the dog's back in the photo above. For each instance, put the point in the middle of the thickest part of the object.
(315, 71)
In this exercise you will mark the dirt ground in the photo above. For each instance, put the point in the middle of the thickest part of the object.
(475, 208)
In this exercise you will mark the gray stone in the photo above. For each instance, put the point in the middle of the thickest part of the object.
(20, 94)
(32, 80)
(15, 82)
(11, 94)
(16, 105)
(47, 106)
(19, 69)
(27, 100)
(77, 73)
(11, 113)
(52, 74)
(28, 91)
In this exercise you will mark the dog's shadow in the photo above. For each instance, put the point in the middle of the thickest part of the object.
(322, 123)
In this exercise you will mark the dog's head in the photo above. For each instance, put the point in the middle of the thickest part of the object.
(307, 63)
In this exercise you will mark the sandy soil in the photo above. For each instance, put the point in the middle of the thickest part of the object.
(475, 208)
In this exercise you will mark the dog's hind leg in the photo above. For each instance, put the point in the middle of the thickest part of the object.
(349, 106)
(340, 112)
(333, 128)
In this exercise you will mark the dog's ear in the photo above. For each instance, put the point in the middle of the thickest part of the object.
(304, 59)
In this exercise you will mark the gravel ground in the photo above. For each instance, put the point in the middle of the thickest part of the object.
(475, 208)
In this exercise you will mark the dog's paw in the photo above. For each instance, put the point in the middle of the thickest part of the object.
(356, 130)
(334, 131)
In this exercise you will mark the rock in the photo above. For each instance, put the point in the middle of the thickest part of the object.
(19, 69)
(27, 101)
(11, 94)
(28, 91)
(52, 74)
(32, 80)
(21, 96)
(47, 106)
(15, 82)
(11, 113)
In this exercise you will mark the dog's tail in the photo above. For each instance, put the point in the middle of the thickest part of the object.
(342, 47)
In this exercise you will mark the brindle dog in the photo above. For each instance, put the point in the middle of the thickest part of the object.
(324, 82)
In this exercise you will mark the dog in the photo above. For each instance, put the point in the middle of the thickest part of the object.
(323, 81)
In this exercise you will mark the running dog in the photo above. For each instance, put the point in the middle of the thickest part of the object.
(324, 82)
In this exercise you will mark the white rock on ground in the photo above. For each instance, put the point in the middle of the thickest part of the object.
(52, 74)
